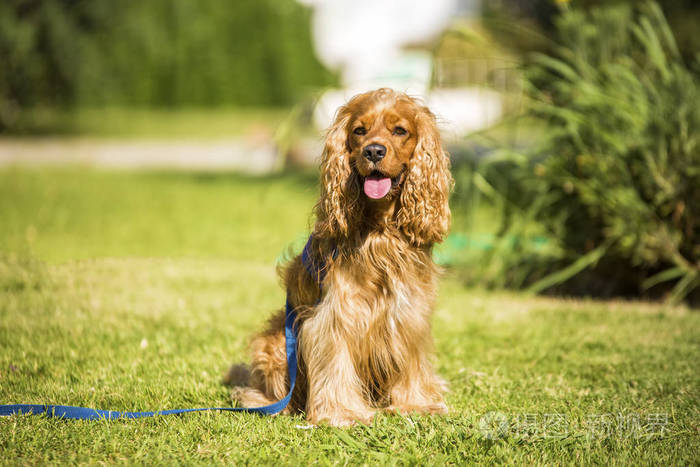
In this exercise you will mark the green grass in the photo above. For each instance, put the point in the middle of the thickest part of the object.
(192, 123)
(63, 215)
(135, 291)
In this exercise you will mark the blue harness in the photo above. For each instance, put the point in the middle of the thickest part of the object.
(290, 332)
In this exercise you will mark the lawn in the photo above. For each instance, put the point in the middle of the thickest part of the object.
(135, 291)
(129, 123)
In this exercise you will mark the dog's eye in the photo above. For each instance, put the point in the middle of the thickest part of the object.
(400, 131)
(360, 130)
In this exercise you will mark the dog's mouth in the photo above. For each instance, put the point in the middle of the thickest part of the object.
(377, 185)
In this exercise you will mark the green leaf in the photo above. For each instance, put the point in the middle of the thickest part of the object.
(684, 287)
(556, 65)
(663, 276)
(570, 271)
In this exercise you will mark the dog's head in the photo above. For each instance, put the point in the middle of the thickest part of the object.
(383, 155)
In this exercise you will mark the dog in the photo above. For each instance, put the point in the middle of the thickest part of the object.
(364, 332)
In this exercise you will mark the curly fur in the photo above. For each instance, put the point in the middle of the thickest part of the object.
(364, 335)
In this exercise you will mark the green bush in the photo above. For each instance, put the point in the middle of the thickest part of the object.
(614, 182)
(159, 53)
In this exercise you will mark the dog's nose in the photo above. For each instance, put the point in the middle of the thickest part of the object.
(374, 152)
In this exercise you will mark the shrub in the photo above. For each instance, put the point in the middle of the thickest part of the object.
(159, 53)
(614, 182)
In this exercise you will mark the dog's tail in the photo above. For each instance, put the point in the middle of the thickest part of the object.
(237, 375)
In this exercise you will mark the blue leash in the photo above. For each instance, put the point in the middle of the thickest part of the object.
(84, 413)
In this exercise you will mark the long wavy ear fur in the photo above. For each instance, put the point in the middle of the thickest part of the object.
(338, 198)
(424, 215)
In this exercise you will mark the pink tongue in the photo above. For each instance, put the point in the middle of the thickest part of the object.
(377, 188)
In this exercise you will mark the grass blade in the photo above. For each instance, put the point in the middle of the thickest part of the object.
(568, 272)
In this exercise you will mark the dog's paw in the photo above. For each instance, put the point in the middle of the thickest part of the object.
(238, 394)
(438, 408)
(250, 398)
(343, 419)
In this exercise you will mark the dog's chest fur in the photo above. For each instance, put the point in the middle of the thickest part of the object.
(378, 299)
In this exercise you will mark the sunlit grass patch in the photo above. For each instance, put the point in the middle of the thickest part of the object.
(145, 123)
(137, 291)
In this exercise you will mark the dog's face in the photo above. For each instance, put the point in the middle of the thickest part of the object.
(384, 153)
(382, 140)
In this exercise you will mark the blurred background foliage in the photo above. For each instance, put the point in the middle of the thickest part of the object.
(589, 186)
(527, 25)
(606, 198)
(158, 53)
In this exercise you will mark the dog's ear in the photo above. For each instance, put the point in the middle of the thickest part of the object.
(338, 196)
(424, 214)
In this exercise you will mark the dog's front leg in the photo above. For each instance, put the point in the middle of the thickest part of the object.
(335, 391)
(418, 389)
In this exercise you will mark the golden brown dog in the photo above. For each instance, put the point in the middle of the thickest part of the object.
(364, 334)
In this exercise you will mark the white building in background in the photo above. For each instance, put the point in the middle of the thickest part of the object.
(372, 44)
